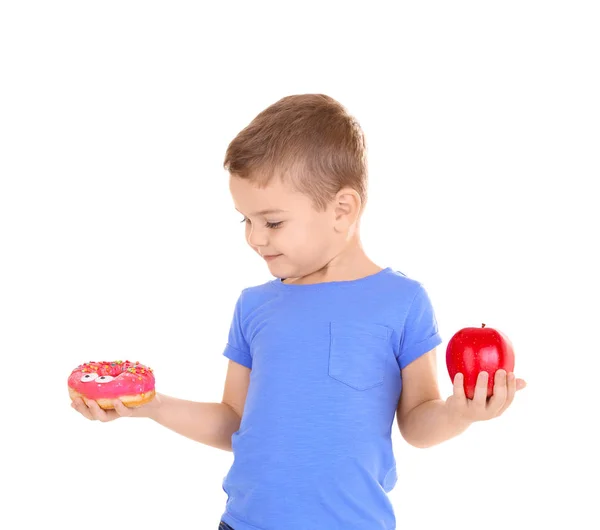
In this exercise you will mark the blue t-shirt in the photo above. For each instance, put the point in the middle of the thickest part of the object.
(314, 448)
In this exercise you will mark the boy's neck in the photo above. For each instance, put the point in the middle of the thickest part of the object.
(347, 266)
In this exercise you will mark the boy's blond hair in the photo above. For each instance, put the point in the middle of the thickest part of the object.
(310, 141)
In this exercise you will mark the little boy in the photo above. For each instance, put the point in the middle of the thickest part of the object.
(326, 355)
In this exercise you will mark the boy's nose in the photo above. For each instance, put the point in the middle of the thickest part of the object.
(257, 238)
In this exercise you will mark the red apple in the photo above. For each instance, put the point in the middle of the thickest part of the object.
(474, 350)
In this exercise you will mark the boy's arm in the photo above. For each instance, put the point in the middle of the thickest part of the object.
(423, 417)
(208, 423)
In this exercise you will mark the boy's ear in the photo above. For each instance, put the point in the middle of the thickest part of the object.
(347, 205)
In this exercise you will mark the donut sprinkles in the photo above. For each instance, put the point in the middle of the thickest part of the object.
(132, 383)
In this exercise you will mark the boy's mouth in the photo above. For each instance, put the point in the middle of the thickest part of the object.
(271, 257)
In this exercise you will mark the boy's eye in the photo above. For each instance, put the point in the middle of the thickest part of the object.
(267, 224)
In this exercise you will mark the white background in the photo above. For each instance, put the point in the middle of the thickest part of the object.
(119, 240)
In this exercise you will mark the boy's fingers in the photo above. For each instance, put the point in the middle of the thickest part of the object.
(82, 408)
(459, 389)
(512, 389)
(97, 413)
(120, 408)
(500, 394)
(480, 396)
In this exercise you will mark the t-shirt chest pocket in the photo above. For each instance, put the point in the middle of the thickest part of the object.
(358, 353)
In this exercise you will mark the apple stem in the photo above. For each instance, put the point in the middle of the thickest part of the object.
(483, 325)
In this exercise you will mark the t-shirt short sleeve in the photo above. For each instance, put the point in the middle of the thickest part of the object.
(237, 348)
(420, 333)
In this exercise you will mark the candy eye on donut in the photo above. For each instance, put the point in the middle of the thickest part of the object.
(104, 379)
(86, 378)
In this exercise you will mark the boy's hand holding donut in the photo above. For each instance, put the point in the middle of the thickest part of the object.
(105, 391)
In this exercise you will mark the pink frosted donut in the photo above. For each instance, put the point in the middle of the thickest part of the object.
(132, 383)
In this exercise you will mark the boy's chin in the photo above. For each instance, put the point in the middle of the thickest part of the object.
(278, 270)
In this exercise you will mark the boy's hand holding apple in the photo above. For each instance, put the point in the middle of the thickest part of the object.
(480, 363)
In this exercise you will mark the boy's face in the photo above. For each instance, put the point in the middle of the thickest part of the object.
(284, 224)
